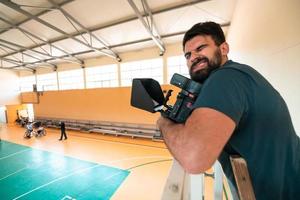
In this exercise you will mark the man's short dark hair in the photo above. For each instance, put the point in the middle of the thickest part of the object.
(206, 28)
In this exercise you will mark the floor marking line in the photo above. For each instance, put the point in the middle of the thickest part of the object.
(13, 173)
(128, 169)
(68, 197)
(149, 163)
(55, 180)
(136, 158)
(27, 149)
(120, 142)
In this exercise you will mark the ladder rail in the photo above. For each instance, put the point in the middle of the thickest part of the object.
(242, 178)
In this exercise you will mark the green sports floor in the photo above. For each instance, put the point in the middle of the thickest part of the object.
(27, 173)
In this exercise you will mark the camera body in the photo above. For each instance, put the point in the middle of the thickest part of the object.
(147, 95)
(182, 108)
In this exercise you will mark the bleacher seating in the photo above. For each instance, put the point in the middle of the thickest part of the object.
(104, 127)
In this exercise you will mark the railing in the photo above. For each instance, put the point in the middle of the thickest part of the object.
(115, 128)
(183, 186)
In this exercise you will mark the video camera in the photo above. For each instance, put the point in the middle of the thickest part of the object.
(146, 94)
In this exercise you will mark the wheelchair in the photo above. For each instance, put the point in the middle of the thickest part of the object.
(34, 129)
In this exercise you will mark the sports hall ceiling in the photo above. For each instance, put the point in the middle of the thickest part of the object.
(44, 33)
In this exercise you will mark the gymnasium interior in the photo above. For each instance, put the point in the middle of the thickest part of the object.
(75, 61)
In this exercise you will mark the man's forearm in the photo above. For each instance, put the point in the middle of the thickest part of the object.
(197, 143)
(173, 135)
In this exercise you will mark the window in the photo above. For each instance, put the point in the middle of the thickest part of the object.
(152, 68)
(47, 82)
(72, 79)
(177, 64)
(26, 83)
(102, 76)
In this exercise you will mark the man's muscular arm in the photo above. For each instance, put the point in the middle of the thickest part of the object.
(197, 143)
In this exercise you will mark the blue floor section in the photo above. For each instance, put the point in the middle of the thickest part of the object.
(27, 173)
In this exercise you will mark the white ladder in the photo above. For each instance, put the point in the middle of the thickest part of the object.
(183, 186)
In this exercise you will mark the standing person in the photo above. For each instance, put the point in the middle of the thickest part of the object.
(63, 131)
(237, 112)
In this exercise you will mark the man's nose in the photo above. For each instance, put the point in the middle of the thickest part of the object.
(194, 56)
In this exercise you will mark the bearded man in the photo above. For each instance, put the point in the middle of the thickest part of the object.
(237, 112)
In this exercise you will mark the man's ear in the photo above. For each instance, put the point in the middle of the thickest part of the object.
(224, 48)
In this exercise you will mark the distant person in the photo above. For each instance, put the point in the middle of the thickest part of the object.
(63, 131)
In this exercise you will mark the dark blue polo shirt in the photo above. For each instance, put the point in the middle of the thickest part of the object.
(264, 135)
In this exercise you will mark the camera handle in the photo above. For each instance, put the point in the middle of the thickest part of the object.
(169, 93)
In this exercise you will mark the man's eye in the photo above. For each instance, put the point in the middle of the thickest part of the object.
(187, 56)
(199, 48)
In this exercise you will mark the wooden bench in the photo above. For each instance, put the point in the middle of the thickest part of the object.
(115, 128)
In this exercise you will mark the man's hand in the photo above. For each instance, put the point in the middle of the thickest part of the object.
(163, 122)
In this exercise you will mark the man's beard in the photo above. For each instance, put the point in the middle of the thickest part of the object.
(201, 75)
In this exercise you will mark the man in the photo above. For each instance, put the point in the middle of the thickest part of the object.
(237, 112)
(63, 131)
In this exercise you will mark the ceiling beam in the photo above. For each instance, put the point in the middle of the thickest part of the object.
(25, 32)
(125, 44)
(16, 50)
(69, 16)
(149, 29)
(17, 8)
(38, 14)
(23, 53)
(22, 48)
(182, 4)
(121, 21)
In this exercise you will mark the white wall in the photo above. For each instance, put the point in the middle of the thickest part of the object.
(9, 88)
(266, 35)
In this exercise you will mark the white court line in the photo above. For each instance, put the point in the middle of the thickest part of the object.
(109, 163)
(84, 169)
(55, 180)
(68, 197)
(13, 173)
(111, 176)
(15, 153)
(137, 158)
(116, 142)
(112, 163)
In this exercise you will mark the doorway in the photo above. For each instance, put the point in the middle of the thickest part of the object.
(3, 114)
(30, 112)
